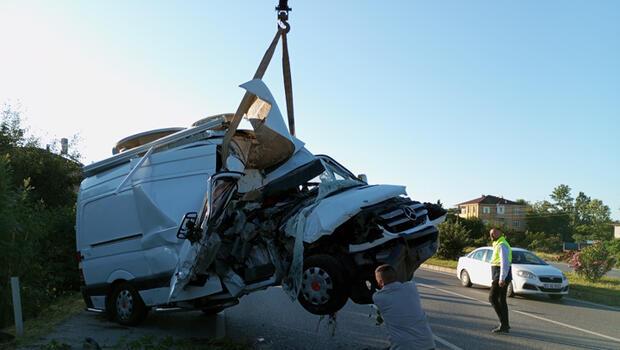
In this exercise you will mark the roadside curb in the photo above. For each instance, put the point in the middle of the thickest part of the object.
(438, 268)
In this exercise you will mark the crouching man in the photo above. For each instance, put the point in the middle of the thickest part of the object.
(400, 308)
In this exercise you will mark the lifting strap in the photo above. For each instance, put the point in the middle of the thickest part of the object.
(248, 98)
(288, 84)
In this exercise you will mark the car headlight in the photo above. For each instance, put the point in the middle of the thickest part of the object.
(526, 274)
(564, 277)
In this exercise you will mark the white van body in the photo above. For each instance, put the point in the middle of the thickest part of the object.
(148, 234)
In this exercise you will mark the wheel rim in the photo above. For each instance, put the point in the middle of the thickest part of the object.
(316, 285)
(465, 277)
(124, 305)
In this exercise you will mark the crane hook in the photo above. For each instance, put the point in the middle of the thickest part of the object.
(282, 9)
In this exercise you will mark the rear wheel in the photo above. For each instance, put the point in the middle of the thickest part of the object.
(126, 305)
(324, 288)
(555, 296)
(465, 280)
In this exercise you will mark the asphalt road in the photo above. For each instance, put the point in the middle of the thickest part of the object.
(615, 273)
(460, 318)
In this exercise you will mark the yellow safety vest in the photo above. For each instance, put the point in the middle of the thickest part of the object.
(495, 258)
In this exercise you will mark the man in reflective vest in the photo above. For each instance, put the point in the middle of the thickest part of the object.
(502, 276)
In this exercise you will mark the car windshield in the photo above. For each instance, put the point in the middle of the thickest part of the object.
(526, 258)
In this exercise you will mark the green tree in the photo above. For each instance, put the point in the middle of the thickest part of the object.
(543, 242)
(546, 217)
(453, 239)
(594, 222)
(580, 219)
(563, 201)
(478, 232)
(37, 218)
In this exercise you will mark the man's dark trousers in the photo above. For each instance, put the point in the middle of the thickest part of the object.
(497, 297)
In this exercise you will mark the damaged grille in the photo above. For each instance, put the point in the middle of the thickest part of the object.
(406, 217)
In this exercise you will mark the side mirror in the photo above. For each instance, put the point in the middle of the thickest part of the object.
(188, 229)
(363, 177)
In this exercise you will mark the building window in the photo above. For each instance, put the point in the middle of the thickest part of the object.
(517, 211)
(486, 210)
(516, 223)
(501, 209)
(463, 210)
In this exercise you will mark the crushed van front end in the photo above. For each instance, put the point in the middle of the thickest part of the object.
(395, 231)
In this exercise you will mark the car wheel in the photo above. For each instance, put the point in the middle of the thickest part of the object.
(465, 280)
(127, 307)
(555, 296)
(511, 290)
(324, 289)
(363, 289)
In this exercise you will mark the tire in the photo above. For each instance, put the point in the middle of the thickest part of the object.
(126, 306)
(555, 296)
(465, 280)
(360, 291)
(324, 288)
(511, 290)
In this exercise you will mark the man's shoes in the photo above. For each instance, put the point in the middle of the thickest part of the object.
(501, 330)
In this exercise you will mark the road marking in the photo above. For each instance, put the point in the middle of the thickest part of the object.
(446, 343)
(568, 326)
(526, 314)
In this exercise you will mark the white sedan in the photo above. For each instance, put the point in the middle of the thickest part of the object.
(530, 274)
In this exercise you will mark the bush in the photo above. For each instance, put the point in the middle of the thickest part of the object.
(543, 242)
(453, 239)
(517, 238)
(37, 218)
(592, 262)
(478, 231)
(614, 250)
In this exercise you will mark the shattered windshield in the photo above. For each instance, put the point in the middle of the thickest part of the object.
(334, 173)
(334, 178)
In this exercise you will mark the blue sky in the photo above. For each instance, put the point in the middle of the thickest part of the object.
(451, 98)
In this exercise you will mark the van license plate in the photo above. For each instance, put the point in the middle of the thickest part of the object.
(553, 285)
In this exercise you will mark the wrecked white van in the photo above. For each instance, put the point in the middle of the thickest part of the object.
(199, 217)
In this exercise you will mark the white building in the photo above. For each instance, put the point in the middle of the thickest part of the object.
(617, 231)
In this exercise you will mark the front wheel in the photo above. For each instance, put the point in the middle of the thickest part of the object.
(511, 290)
(465, 280)
(324, 288)
(127, 307)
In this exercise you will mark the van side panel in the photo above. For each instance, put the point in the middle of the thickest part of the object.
(132, 232)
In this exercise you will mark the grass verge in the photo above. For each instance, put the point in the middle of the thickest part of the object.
(63, 308)
(441, 262)
(549, 256)
(605, 291)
